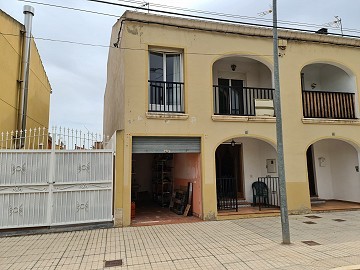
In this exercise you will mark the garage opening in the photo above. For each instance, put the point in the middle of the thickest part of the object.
(166, 180)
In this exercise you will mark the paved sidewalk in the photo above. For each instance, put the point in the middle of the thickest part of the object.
(237, 244)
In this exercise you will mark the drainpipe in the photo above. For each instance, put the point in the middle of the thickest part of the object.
(29, 14)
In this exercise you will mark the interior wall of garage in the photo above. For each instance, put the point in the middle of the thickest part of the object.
(187, 168)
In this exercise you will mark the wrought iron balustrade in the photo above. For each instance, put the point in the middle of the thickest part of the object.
(326, 104)
(226, 190)
(166, 96)
(235, 100)
(273, 186)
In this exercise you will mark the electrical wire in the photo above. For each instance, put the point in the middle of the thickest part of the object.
(239, 16)
(121, 48)
(182, 15)
(18, 110)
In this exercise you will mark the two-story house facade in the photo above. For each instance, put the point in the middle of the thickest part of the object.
(198, 94)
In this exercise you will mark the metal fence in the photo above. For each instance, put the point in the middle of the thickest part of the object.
(226, 190)
(235, 100)
(54, 178)
(272, 183)
(60, 138)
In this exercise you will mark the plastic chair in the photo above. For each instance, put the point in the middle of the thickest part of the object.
(260, 193)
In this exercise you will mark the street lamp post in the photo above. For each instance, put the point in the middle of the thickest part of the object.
(279, 135)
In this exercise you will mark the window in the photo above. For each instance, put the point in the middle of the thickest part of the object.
(166, 85)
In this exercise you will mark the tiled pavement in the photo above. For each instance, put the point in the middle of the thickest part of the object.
(236, 244)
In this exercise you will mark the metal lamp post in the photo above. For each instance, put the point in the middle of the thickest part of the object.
(279, 136)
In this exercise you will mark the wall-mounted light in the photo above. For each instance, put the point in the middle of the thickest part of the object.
(233, 67)
(232, 143)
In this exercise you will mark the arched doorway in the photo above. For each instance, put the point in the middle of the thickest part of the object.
(240, 162)
(333, 172)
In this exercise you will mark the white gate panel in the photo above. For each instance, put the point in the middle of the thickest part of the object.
(44, 188)
(24, 189)
(83, 166)
(24, 208)
(82, 187)
(82, 203)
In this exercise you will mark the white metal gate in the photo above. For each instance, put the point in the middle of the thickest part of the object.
(55, 187)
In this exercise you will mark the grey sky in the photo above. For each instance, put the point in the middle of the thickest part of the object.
(77, 73)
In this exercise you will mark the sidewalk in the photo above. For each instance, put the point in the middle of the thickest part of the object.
(236, 244)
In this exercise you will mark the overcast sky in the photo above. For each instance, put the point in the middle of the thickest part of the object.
(77, 73)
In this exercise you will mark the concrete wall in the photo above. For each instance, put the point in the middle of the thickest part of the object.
(187, 168)
(255, 153)
(252, 72)
(328, 78)
(201, 50)
(143, 168)
(336, 177)
(10, 73)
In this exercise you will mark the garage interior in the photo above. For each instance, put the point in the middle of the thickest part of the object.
(165, 181)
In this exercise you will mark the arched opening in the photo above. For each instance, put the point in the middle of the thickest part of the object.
(241, 162)
(333, 173)
(328, 92)
(239, 84)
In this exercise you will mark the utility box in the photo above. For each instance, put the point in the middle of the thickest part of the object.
(271, 165)
(264, 107)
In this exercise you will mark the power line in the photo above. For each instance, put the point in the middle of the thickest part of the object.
(121, 48)
(188, 15)
(18, 110)
(240, 16)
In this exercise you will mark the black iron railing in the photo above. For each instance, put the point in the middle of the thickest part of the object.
(166, 96)
(272, 184)
(231, 100)
(334, 105)
(226, 190)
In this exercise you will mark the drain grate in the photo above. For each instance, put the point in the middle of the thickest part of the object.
(309, 222)
(339, 220)
(311, 243)
(313, 217)
(113, 263)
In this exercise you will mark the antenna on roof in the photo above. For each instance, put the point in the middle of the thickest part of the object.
(266, 12)
(144, 5)
(337, 24)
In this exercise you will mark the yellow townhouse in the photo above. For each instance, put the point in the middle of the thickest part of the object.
(19, 108)
(191, 101)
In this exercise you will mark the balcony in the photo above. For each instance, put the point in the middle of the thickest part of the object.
(166, 97)
(334, 105)
(328, 91)
(238, 100)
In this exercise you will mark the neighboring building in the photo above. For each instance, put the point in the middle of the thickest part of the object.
(201, 93)
(11, 51)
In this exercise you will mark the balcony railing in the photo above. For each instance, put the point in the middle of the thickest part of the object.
(230, 100)
(334, 105)
(166, 97)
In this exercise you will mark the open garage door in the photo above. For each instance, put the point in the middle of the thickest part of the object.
(166, 145)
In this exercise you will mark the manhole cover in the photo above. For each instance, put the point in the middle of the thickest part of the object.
(309, 222)
(113, 263)
(312, 216)
(339, 220)
(311, 243)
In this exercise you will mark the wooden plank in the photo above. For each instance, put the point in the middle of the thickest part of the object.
(186, 212)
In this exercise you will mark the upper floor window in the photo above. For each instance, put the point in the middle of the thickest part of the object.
(166, 87)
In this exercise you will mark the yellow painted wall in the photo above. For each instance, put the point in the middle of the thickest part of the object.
(201, 50)
(10, 70)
